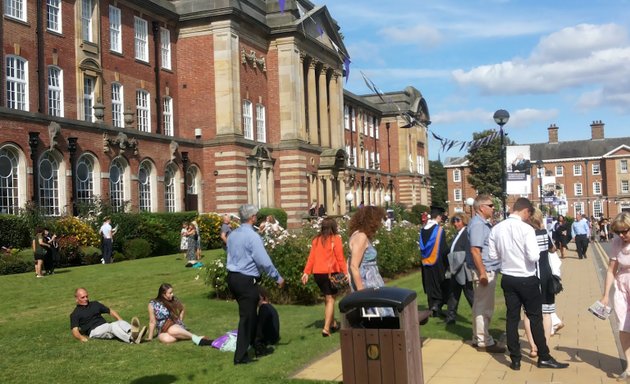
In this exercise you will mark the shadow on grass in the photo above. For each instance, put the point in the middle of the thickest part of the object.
(155, 379)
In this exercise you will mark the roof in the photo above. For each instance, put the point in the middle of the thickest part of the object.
(577, 149)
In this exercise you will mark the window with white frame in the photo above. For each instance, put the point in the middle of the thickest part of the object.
(365, 123)
(623, 166)
(17, 83)
(346, 117)
(457, 194)
(577, 189)
(49, 185)
(169, 189)
(457, 175)
(55, 91)
(85, 179)
(366, 157)
(624, 186)
(598, 208)
(53, 15)
(349, 155)
(261, 126)
(89, 84)
(353, 122)
(374, 163)
(577, 170)
(355, 158)
(578, 207)
(143, 110)
(144, 187)
(595, 169)
(371, 126)
(559, 170)
(87, 22)
(117, 185)
(15, 9)
(165, 47)
(248, 128)
(117, 106)
(167, 113)
(141, 30)
(376, 123)
(191, 180)
(115, 29)
(420, 161)
(9, 181)
(597, 188)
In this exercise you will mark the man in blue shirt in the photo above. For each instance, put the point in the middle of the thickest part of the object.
(581, 232)
(246, 259)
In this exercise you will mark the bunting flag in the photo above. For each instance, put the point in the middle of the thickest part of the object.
(448, 144)
(281, 3)
(346, 65)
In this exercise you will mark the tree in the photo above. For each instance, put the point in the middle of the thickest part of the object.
(438, 184)
(485, 164)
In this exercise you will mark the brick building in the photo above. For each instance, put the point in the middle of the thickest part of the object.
(162, 105)
(590, 175)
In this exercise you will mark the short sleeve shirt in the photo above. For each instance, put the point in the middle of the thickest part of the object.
(87, 317)
(478, 233)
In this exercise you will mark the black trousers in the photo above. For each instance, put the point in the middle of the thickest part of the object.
(246, 293)
(107, 250)
(455, 293)
(581, 243)
(523, 292)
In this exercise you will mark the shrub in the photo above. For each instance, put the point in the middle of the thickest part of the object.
(14, 232)
(144, 226)
(397, 249)
(216, 277)
(136, 249)
(69, 250)
(118, 256)
(74, 226)
(278, 213)
(10, 264)
(210, 230)
(90, 255)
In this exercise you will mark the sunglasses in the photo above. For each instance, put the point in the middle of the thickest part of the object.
(455, 220)
(623, 232)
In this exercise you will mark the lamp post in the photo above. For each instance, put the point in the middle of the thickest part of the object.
(349, 198)
(539, 165)
(501, 117)
(470, 202)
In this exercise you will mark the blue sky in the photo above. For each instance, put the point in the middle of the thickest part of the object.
(546, 62)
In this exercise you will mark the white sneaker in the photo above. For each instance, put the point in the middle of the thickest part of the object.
(102, 261)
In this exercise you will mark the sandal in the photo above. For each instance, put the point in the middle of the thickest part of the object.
(335, 328)
(624, 376)
(325, 333)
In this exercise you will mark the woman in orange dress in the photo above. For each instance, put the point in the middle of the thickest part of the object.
(326, 257)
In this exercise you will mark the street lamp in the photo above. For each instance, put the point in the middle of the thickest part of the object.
(539, 165)
(349, 197)
(501, 117)
(470, 202)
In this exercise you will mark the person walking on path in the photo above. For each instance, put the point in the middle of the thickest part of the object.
(326, 258)
(433, 255)
(618, 273)
(561, 235)
(581, 233)
(461, 276)
(246, 259)
(513, 243)
(107, 234)
(485, 272)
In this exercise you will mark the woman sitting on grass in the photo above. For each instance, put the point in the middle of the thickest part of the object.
(166, 313)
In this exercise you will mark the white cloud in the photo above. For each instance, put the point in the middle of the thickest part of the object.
(584, 55)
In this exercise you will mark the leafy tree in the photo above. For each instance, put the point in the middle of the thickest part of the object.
(438, 182)
(485, 164)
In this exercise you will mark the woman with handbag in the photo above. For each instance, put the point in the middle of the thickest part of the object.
(166, 314)
(328, 266)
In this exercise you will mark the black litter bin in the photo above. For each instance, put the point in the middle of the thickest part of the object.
(381, 349)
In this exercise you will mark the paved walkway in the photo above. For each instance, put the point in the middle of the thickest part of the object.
(587, 343)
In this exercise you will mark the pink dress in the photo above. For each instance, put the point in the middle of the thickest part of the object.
(621, 299)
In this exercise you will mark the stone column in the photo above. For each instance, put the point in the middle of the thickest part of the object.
(227, 78)
(336, 111)
(323, 109)
(312, 104)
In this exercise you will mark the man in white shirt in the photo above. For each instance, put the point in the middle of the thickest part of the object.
(513, 242)
(107, 233)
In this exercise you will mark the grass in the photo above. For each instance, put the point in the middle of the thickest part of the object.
(37, 346)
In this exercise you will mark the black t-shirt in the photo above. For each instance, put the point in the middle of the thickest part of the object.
(87, 317)
(268, 325)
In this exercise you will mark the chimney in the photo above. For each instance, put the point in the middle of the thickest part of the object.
(553, 134)
(597, 130)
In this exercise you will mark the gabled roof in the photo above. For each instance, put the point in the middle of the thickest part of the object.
(622, 150)
(455, 162)
(577, 149)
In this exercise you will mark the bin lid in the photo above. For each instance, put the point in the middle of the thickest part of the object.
(392, 297)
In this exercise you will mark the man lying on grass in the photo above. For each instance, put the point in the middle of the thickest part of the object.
(86, 321)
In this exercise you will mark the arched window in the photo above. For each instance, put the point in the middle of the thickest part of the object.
(170, 183)
(9, 161)
(191, 180)
(85, 179)
(144, 186)
(117, 185)
(49, 185)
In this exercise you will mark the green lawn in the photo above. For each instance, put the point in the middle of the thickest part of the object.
(37, 347)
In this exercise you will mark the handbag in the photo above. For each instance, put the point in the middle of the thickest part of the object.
(555, 284)
(338, 280)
